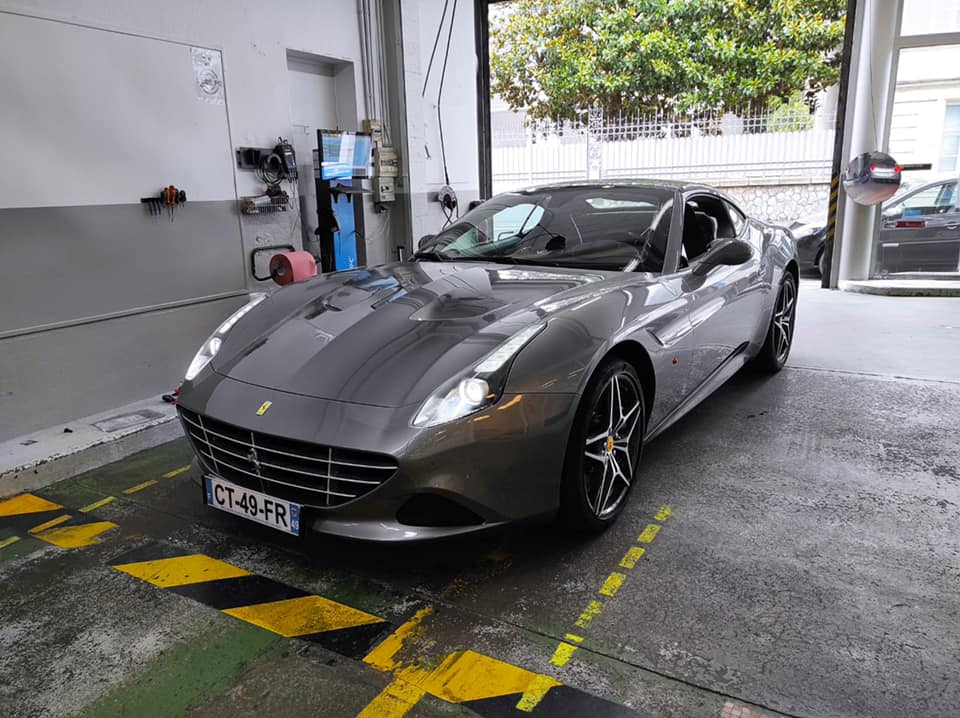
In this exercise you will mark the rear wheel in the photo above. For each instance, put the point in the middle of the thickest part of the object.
(776, 347)
(604, 448)
(822, 263)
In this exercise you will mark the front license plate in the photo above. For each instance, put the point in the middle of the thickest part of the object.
(276, 513)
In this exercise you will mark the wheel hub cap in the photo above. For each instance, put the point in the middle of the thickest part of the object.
(610, 444)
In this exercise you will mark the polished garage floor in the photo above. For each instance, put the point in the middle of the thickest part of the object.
(792, 550)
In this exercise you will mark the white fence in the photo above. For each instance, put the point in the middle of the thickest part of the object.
(780, 148)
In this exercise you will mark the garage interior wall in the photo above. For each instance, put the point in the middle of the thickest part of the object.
(421, 22)
(104, 304)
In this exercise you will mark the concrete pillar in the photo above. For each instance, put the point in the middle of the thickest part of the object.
(869, 98)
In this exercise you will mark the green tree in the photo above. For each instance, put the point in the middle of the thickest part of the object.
(556, 58)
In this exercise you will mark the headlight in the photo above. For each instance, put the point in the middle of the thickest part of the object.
(479, 388)
(210, 347)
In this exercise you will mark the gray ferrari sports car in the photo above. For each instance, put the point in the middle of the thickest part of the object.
(513, 369)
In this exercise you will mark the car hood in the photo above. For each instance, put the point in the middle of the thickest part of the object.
(391, 335)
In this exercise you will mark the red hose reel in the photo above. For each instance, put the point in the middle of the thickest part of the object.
(288, 267)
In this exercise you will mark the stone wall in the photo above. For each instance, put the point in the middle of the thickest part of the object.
(782, 203)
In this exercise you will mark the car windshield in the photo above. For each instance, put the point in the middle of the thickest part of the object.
(616, 228)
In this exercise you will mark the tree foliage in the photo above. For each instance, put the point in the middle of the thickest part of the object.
(556, 58)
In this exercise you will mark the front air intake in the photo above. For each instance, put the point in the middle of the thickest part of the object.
(431, 510)
(308, 474)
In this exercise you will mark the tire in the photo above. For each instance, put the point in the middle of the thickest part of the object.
(776, 346)
(822, 263)
(604, 450)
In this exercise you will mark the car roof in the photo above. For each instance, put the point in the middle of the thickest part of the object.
(667, 184)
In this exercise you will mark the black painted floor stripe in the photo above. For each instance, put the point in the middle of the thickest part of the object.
(22, 523)
(354, 642)
(559, 702)
(152, 551)
(239, 591)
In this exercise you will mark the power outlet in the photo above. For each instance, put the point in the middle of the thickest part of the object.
(384, 190)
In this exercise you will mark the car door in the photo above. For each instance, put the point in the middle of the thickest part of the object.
(726, 301)
(921, 233)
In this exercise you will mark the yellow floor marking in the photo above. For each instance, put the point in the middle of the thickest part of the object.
(7, 541)
(633, 555)
(471, 676)
(26, 504)
(612, 584)
(302, 616)
(663, 514)
(76, 536)
(649, 533)
(176, 472)
(97, 504)
(51, 523)
(394, 701)
(562, 655)
(181, 570)
(535, 692)
(385, 654)
(571, 637)
(140, 487)
(592, 609)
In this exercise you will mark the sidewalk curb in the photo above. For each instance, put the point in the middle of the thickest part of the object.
(63, 464)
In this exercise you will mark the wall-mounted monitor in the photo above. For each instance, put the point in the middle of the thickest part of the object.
(345, 155)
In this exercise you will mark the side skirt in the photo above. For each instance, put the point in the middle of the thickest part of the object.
(726, 369)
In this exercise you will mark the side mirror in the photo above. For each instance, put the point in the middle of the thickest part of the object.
(729, 252)
(423, 240)
(474, 204)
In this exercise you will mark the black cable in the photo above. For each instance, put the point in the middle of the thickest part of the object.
(436, 41)
(443, 75)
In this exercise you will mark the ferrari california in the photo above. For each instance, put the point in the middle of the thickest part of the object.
(514, 368)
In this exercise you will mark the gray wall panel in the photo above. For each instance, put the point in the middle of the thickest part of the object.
(52, 377)
(68, 263)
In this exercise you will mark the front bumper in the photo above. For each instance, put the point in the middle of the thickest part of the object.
(502, 465)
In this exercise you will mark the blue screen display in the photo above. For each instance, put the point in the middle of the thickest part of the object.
(345, 155)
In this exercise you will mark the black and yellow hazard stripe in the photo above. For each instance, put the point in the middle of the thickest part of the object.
(37, 517)
(486, 685)
(277, 607)
(558, 702)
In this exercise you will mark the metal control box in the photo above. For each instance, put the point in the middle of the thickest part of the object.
(384, 189)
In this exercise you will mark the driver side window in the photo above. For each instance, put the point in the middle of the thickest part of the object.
(937, 199)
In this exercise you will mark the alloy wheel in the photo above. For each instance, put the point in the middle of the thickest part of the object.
(783, 319)
(612, 448)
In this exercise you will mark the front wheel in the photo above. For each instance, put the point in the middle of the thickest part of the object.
(604, 449)
(776, 347)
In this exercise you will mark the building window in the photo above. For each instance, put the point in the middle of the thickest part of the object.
(950, 145)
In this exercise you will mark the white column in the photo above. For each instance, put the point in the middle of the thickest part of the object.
(867, 103)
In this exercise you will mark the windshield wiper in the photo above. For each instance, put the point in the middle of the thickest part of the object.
(430, 255)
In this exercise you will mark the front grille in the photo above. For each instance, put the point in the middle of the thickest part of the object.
(298, 471)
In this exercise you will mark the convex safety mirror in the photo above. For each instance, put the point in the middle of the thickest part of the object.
(871, 178)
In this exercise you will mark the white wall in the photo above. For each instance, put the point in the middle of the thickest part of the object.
(459, 109)
(67, 92)
(253, 37)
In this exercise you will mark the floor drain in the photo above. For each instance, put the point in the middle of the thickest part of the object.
(126, 421)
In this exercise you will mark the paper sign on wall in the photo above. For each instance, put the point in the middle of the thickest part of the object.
(207, 75)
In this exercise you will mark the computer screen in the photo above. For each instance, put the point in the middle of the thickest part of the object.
(345, 155)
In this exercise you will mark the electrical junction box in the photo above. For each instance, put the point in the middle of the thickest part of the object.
(375, 129)
(384, 190)
(386, 162)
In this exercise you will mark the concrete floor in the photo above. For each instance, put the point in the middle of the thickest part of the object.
(809, 566)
